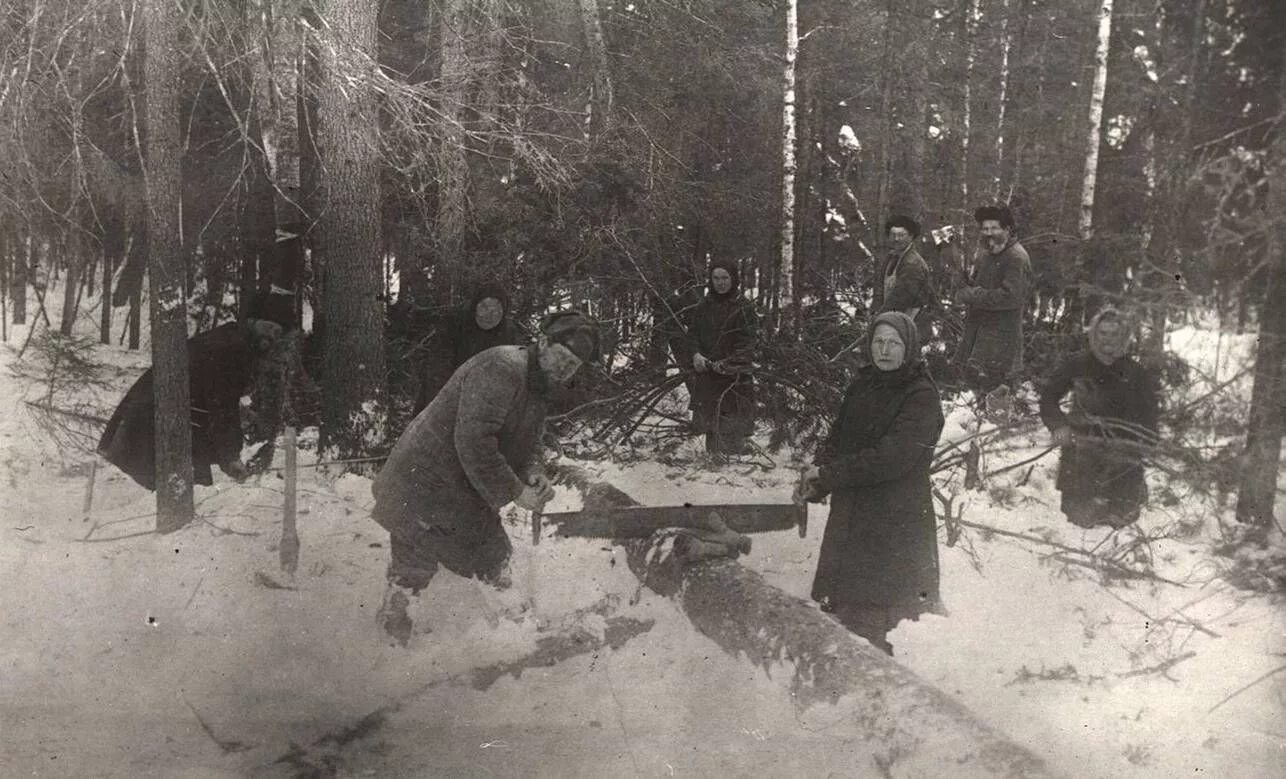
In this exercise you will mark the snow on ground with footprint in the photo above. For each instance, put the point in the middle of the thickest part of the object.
(125, 653)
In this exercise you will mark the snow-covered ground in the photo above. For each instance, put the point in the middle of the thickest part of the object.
(125, 653)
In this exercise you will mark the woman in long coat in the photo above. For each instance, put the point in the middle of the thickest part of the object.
(1113, 417)
(722, 333)
(879, 557)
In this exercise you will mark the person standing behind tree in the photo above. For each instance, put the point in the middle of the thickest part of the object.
(905, 283)
(990, 352)
(1113, 417)
(484, 323)
(878, 562)
(722, 335)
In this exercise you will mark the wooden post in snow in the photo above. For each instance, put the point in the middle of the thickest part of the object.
(1099, 89)
(288, 549)
(833, 675)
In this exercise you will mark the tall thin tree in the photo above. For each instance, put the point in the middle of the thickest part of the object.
(1097, 92)
(788, 163)
(168, 310)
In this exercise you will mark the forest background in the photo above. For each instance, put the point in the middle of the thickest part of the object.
(378, 160)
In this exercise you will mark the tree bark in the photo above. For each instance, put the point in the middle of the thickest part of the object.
(788, 167)
(972, 14)
(105, 313)
(1006, 42)
(601, 100)
(1097, 92)
(21, 277)
(138, 248)
(453, 167)
(1267, 424)
(349, 234)
(166, 267)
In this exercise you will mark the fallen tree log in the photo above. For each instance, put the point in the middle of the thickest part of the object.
(835, 677)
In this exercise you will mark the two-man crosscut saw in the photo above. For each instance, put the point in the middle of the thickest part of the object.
(643, 521)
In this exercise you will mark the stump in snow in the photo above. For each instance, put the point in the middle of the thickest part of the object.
(832, 674)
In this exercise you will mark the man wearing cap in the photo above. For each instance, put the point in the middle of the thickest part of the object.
(471, 451)
(991, 348)
(905, 283)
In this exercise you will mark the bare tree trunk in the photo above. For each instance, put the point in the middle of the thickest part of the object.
(1097, 92)
(277, 76)
(21, 277)
(349, 234)
(162, 177)
(71, 282)
(138, 248)
(972, 15)
(453, 167)
(105, 314)
(601, 100)
(1267, 422)
(886, 121)
(1006, 42)
(788, 166)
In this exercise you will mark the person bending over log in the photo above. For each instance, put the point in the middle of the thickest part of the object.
(722, 336)
(878, 562)
(484, 323)
(470, 452)
(222, 365)
(1112, 419)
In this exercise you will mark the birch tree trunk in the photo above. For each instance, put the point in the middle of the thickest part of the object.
(349, 233)
(1006, 43)
(788, 167)
(601, 99)
(1097, 91)
(166, 266)
(966, 120)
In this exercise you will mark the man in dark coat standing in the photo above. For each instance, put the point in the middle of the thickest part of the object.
(878, 562)
(991, 348)
(905, 283)
(722, 335)
(1112, 419)
(470, 452)
(222, 364)
(484, 323)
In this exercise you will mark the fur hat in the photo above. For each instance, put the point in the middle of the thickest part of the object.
(576, 330)
(905, 222)
(1000, 213)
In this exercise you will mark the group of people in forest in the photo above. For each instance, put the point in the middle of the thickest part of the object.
(473, 445)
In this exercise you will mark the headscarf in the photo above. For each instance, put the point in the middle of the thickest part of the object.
(910, 335)
(487, 290)
(733, 271)
(576, 330)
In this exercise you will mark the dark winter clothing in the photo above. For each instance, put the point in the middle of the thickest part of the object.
(724, 328)
(906, 285)
(879, 550)
(221, 368)
(1113, 413)
(462, 458)
(459, 337)
(991, 347)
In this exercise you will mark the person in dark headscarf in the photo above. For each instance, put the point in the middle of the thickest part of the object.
(1112, 419)
(473, 450)
(222, 366)
(878, 562)
(484, 323)
(724, 327)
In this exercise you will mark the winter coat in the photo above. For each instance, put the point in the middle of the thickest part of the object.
(880, 544)
(906, 285)
(1114, 410)
(992, 341)
(724, 329)
(221, 368)
(469, 452)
